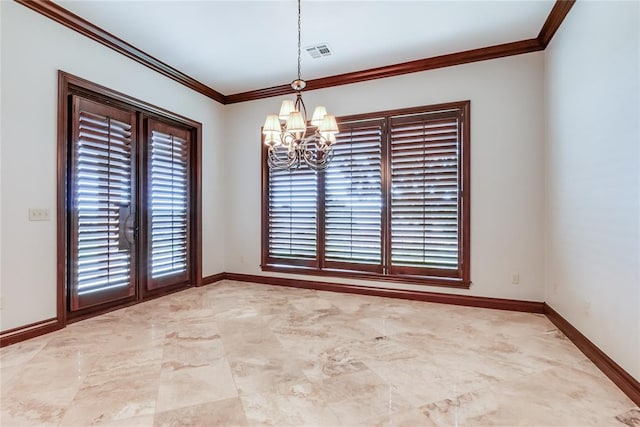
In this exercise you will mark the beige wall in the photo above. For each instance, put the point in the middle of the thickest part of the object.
(33, 49)
(592, 78)
(506, 166)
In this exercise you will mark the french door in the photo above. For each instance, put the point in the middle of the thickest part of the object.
(129, 206)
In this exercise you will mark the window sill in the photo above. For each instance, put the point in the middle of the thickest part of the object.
(446, 282)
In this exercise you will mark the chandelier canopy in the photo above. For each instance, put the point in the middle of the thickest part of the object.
(292, 140)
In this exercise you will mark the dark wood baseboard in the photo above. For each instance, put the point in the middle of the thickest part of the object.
(466, 300)
(32, 330)
(213, 278)
(611, 369)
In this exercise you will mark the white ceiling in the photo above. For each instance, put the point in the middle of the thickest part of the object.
(237, 46)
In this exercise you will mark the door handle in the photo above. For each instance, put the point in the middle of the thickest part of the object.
(126, 229)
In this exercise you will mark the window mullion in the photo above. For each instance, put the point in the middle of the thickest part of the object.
(386, 197)
(320, 218)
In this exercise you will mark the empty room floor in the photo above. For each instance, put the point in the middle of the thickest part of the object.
(240, 354)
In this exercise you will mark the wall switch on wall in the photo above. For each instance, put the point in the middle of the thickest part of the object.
(515, 278)
(38, 214)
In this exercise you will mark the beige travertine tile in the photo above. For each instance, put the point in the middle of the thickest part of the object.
(227, 412)
(241, 354)
(187, 386)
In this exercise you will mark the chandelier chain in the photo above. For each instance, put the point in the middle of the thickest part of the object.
(299, 60)
(294, 141)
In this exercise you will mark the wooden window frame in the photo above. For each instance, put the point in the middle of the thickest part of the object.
(69, 84)
(462, 280)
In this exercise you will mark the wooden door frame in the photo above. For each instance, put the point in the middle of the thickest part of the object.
(69, 84)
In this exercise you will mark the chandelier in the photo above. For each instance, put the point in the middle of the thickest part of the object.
(292, 140)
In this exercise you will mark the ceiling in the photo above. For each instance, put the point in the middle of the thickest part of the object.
(237, 46)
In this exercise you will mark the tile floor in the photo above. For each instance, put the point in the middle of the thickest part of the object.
(239, 354)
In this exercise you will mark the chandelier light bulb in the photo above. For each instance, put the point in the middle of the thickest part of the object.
(328, 138)
(272, 139)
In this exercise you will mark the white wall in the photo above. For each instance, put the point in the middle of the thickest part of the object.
(33, 49)
(592, 78)
(506, 166)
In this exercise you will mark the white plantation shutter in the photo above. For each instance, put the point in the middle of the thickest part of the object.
(425, 183)
(168, 204)
(292, 215)
(101, 194)
(353, 197)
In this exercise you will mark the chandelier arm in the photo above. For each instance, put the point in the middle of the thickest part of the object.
(317, 159)
(299, 104)
(277, 162)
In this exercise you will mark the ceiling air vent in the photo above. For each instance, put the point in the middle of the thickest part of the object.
(319, 50)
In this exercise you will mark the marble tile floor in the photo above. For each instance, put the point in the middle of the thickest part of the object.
(240, 354)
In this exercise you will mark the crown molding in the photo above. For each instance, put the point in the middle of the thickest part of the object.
(86, 28)
(63, 16)
(458, 58)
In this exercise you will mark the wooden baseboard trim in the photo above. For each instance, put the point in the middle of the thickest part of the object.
(32, 330)
(466, 300)
(207, 280)
(611, 369)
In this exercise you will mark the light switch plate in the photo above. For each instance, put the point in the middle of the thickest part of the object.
(38, 214)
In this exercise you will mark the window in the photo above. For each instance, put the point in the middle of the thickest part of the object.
(392, 205)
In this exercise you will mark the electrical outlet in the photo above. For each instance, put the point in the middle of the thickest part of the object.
(515, 278)
(38, 214)
(1, 307)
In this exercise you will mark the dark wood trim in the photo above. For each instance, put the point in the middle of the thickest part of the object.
(466, 300)
(445, 282)
(68, 19)
(86, 28)
(264, 205)
(214, 278)
(64, 124)
(468, 56)
(465, 192)
(555, 18)
(32, 330)
(196, 204)
(629, 385)
(93, 90)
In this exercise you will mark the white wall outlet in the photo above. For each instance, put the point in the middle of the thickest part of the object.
(1, 307)
(515, 278)
(38, 214)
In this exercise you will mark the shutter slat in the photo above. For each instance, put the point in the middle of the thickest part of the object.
(292, 210)
(102, 182)
(168, 165)
(424, 192)
(353, 196)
